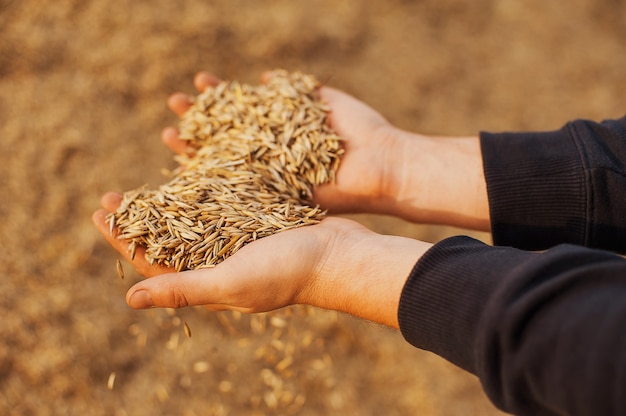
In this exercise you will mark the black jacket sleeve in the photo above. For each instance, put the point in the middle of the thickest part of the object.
(565, 186)
(545, 332)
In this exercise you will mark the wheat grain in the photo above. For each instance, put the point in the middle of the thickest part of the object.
(120, 269)
(187, 329)
(258, 151)
(111, 381)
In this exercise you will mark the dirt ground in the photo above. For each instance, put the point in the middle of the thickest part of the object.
(82, 102)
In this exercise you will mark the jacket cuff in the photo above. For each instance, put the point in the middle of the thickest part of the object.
(537, 194)
(444, 297)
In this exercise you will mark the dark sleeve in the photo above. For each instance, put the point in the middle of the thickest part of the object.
(544, 332)
(565, 186)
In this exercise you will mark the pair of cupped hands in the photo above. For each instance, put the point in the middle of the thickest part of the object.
(337, 264)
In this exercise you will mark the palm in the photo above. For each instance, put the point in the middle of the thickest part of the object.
(261, 276)
(268, 265)
(359, 178)
(366, 134)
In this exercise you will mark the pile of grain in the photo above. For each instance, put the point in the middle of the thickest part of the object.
(255, 154)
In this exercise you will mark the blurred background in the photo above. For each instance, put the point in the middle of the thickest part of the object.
(83, 86)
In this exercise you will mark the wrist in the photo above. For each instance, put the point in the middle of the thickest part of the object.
(362, 273)
(436, 180)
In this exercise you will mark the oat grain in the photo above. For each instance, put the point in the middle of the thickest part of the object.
(257, 152)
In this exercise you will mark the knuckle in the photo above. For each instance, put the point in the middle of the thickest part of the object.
(177, 297)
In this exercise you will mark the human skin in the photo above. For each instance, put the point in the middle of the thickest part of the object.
(337, 264)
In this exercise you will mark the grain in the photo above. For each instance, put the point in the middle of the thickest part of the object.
(132, 248)
(256, 153)
(119, 268)
(187, 329)
(111, 381)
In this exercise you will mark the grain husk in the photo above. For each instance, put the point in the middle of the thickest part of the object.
(255, 155)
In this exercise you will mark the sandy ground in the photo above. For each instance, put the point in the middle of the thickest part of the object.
(82, 102)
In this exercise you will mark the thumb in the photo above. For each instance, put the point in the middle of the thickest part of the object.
(232, 285)
(177, 290)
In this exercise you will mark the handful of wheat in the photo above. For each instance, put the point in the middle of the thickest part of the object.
(257, 153)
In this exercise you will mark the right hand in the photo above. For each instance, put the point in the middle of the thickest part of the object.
(367, 137)
(362, 181)
(385, 170)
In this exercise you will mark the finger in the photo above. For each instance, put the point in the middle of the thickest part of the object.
(139, 261)
(246, 282)
(204, 79)
(170, 137)
(172, 290)
(179, 103)
(201, 287)
(266, 76)
(111, 201)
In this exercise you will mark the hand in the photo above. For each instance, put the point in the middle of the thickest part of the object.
(367, 136)
(435, 180)
(337, 264)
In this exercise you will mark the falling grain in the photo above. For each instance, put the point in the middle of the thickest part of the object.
(111, 381)
(119, 268)
(187, 329)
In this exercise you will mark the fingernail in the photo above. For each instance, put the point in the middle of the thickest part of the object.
(140, 299)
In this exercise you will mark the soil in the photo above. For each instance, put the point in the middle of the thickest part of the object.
(83, 86)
